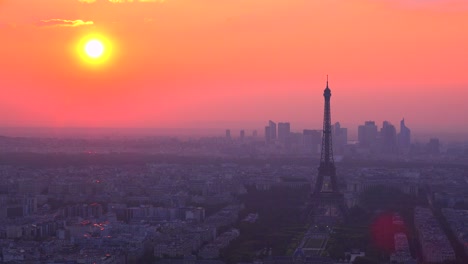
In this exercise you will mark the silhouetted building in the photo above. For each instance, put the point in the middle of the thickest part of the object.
(433, 147)
(311, 140)
(367, 134)
(296, 139)
(82, 210)
(270, 132)
(388, 138)
(254, 133)
(340, 138)
(228, 133)
(284, 129)
(404, 137)
(267, 134)
(272, 126)
(242, 134)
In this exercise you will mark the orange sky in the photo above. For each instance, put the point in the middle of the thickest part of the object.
(235, 63)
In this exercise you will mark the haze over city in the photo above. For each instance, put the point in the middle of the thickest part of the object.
(234, 64)
(234, 131)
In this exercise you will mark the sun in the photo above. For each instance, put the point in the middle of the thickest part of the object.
(94, 48)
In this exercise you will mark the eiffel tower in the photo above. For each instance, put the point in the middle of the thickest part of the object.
(328, 205)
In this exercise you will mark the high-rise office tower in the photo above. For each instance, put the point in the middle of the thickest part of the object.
(242, 134)
(404, 137)
(284, 129)
(340, 138)
(367, 134)
(272, 126)
(388, 138)
(228, 133)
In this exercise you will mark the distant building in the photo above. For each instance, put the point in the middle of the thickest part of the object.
(228, 133)
(284, 129)
(296, 140)
(272, 126)
(388, 138)
(267, 134)
(433, 147)
(242, 134)
(404, 137)
(82, 210)
(270, 132)
(340, 138)
(254, 133)
(311, 140)
(367, 134)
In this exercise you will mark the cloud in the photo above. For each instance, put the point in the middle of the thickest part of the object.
(87, 1)
(65, 22)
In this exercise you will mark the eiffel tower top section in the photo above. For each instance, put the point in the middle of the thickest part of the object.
(326, 158)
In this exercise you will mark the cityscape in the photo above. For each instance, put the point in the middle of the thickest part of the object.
(233, 132)
(245, 199)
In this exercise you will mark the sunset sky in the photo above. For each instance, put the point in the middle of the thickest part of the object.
(235, 63)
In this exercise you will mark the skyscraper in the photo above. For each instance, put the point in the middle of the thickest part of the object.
(228, 133)
(404, 137)
(272, 126)
(388, 138)
(270, 132)
(242, 134)
(367, 134)
(340, 136)
(284, 129)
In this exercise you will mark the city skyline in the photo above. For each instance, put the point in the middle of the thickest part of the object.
(352, 132)
(247, 62)
(209, 132)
